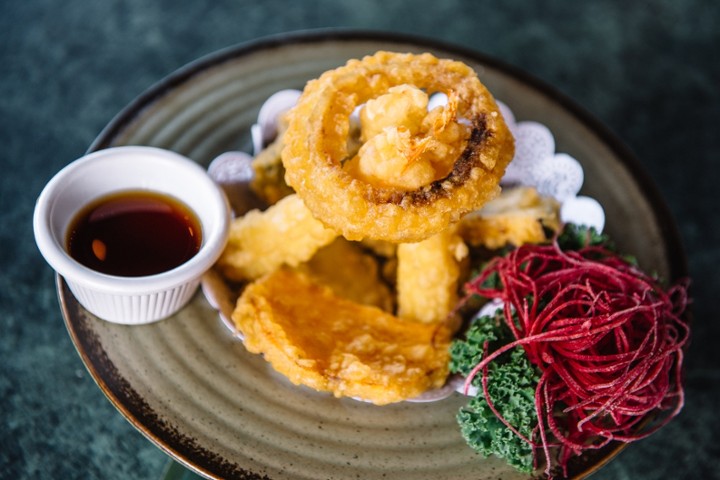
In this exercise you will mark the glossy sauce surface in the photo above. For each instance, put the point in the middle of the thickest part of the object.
(134, 233)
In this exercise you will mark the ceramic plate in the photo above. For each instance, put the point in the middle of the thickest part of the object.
(191, 387)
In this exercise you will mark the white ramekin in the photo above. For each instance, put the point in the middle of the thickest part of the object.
(130, 300)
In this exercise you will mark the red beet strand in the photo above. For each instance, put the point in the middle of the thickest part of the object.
(607, 338)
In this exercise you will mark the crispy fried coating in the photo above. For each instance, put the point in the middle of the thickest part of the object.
(403, 106)
(519, 215)
(351, 273)
(328, 343)
(268, 183)
(316, 149)
(428, 274)
(406, 146)
(260, 242)
(380, 248)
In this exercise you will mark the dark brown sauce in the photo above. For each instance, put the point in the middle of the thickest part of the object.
(134, 234)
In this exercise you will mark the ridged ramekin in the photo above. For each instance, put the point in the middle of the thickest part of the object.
(130, 300)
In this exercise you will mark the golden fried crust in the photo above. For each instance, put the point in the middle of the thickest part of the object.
(316, 148)
(428, 274)
(350, 273)
(519, 215)
(320, 340)
(260, 242)
(268, 182)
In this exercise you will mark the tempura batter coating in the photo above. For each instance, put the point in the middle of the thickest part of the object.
(519, 215)
(260, 242)
(428, 273)
(317, 138)
(351, 273)
(317, 339)
(268, 183)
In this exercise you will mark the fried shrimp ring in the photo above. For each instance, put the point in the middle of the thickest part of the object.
(450, 160)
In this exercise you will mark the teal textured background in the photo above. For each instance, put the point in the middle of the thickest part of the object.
(646, 69)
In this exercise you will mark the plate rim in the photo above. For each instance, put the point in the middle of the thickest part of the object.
(117, 389)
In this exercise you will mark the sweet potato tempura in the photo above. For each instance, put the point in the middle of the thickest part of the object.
(328, 343)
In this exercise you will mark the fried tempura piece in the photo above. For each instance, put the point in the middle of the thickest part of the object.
(404, 186)
(260, 242)
(268, 183)
(405, 146)
(380, 248)
(393, 152)
(427, 276)
(519, 215)
(328, 343)
(403, 106)
(350, 273)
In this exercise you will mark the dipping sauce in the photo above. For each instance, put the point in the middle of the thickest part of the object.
(134, 233)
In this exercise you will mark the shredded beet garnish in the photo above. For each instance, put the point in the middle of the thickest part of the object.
(607, 338)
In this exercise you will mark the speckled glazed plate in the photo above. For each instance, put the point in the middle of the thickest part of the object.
(191, 387)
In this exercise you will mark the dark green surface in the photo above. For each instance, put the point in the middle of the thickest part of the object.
(646, 69)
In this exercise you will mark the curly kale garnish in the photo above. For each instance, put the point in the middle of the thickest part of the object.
(467, 352)
(511, 387)
(575, 237)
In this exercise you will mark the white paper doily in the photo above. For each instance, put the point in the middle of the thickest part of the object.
(536, 164)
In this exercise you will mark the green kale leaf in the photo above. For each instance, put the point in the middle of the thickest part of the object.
(575, 237)
(511, 386)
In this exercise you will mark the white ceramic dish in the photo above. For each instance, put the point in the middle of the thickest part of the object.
(191, 387)
(130, 300)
